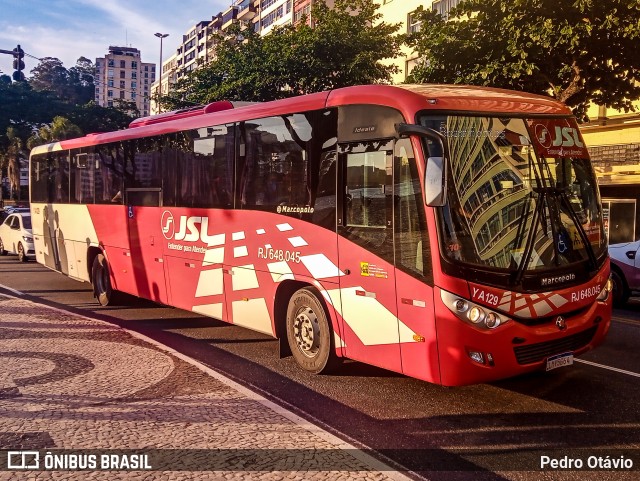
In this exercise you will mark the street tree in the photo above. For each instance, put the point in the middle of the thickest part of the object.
(579, 52)
(10, 162)
(345, 46)
(74, 85)
(24, 109)
(91, 117)
(60, 128)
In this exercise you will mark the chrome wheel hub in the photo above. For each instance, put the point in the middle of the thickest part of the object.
(306, 330)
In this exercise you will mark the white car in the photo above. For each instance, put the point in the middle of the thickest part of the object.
(625, 270)
(16, 236)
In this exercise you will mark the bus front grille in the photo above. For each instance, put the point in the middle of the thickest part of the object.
(540, 351)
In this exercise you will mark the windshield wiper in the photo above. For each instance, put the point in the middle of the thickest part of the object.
(576, 221)
(528, 247)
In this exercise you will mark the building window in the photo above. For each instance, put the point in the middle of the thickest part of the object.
(134, 85)
(413, 24)
(122, 84)
(409, 66)
(134, 64)
(123, 64)
(110, 103)
(443, 6)
(111, 62)
(110, 72)
(122, 74)
(122, 94)
(109, 93)
(133, 95)
(110, 82)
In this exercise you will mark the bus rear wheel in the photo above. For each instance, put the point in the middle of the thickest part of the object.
(309, 332)
(101, 281)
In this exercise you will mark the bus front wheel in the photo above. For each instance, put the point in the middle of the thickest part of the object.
(101, 280)
(309, 332)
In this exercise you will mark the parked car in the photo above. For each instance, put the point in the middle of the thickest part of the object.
(625, 270)
(16, 236)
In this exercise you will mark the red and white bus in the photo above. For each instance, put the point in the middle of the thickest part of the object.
(450, 233)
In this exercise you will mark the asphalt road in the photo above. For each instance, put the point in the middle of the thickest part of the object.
(489, 431)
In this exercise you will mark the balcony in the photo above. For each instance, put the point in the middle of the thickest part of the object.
(247, 11)
(228, 17)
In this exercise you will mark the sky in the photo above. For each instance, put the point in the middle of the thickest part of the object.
(69, 29)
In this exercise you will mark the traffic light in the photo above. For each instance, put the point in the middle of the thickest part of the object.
(18, 64)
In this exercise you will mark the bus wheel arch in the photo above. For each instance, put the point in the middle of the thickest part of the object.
(309, 331)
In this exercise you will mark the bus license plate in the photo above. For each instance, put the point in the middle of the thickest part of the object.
(559, 360)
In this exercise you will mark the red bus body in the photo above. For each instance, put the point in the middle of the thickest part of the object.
(242, 265)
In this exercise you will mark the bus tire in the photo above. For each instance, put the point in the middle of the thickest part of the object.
(620, 291)
(309, 332)
(101, 281)
(3, 252)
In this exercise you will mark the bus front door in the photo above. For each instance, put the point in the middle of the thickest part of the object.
(365, 244)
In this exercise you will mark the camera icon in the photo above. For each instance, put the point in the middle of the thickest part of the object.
(23, 460)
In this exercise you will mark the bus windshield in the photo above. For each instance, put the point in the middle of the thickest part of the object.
(522, 195)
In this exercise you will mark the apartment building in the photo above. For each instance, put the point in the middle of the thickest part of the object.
(401, 11)
(122, 76)
(194, 49)
(302, 9)
(164, 84)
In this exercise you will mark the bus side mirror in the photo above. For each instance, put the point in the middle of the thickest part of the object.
(435, 176)
(435, 182)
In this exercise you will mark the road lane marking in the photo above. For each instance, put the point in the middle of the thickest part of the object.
(629, 373)
(626, 320)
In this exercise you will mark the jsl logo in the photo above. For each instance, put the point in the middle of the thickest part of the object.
(190, 229)
(563, 137)
(167, 224)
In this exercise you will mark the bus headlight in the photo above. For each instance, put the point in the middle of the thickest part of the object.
(606, 290)
(476, 314)
(471, 312)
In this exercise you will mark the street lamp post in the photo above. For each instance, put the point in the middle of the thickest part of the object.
(160, 36)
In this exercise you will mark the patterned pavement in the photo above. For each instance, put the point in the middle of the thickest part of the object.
(74, 383)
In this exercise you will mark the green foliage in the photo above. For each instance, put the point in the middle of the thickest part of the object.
(60, 128)
(74, 85)
(53, 92)
(344, 48)
(579, 51)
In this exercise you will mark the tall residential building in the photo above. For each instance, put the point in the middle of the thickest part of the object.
(162, 86)
(122, 76)
(263, 15)
(401, 11)
(194, 51)
(302, 9)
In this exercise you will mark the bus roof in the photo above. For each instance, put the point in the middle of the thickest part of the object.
(408, 99)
